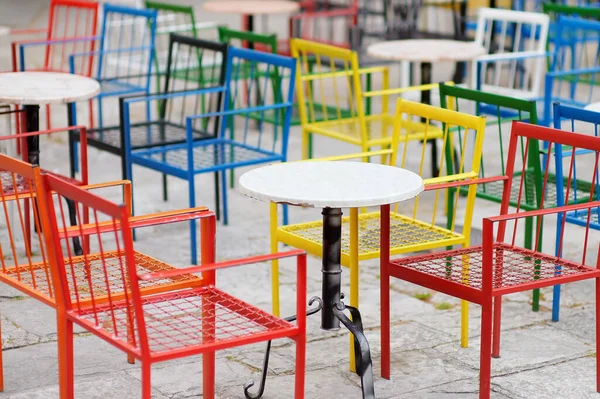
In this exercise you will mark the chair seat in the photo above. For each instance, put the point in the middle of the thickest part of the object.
(142, 135)
(20, 186)
(209, 156)
(195, 319)
(379, 128)
(515, 269)
(406, 235)
(35, 277)
(493, 191)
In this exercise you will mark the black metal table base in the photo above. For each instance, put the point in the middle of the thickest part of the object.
(332, 308)
(362, 351)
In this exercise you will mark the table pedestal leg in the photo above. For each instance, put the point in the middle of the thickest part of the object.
(32, 124)
(333, 307)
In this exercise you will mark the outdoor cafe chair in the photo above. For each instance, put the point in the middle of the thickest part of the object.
(131, 310)
(332, 103)
(165, 122)
(484, 273)
(254, 142)
(431, 221)
(72, 26)
(574, 73)
(571, 167)
(516, 46)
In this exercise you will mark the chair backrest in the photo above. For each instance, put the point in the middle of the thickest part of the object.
(267, 78)
(460, 160)
(23, 254)
(90, 284)
(512, 33)
(238, 38)
(192, 64)
(331, 26)
(329, 83)
(70, 19)
(505, 109)
(509, 230)
(574, 167)
(127, 44)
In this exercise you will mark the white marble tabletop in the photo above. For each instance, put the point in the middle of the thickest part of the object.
(39, 88)
(425, 50)
(593, 107)
(321, 184)
(4, 30)
(252, 7)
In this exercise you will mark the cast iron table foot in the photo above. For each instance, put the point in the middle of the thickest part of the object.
(263, 378)
(362, 351)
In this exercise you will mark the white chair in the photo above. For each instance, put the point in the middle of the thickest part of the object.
(516, 44)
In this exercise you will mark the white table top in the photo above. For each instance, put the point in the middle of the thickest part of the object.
(4, 30)
(331, 184)
(39, 88)
(425, 50)
(252, 7)
(593, 107)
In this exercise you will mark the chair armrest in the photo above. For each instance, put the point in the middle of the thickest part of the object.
(409, 89)
(544, 212)
(135, 222)
(166, 96)
(458, 180)
(511, 56)
(222, 265)
(350, 156)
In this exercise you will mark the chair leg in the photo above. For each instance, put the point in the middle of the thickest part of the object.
(496, 327)
(146, 381)
(597, 335)
(300, 367)
(65, 355)
(305, 144)
(1, 361)
(485, 360)
(208, 375)
(354, 275)
(224, 191)
(274, 263)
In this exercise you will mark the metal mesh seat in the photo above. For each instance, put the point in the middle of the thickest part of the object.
(177, 320)
(514, 267)
(406, 234)
(143, 135)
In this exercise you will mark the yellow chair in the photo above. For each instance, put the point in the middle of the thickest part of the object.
(332, 102)
(431, 221)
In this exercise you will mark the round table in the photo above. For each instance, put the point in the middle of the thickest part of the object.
(593, 107)
(32, 89)
(332, 186)
(250, 8)
(4, 30)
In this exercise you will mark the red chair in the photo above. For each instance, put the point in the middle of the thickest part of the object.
(483, 274)
(71, 26)
(152, 323)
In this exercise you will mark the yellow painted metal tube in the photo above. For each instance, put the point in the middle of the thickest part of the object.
(354, 274)
(273, 223)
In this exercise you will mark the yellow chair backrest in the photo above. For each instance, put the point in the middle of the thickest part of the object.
(328, 81)
(459, 160)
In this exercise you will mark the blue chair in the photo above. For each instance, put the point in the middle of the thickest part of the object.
(574, 74)
(580, 184)
(123, 63)
(254, 141)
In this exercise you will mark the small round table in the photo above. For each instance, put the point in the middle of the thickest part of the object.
(4, 30)
(332, 186)
(32, 89)
(252, 8)
(593, 107)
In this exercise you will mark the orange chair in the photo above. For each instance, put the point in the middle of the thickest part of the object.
(130, 308)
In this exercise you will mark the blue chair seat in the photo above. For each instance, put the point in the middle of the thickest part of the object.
(209, 156)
